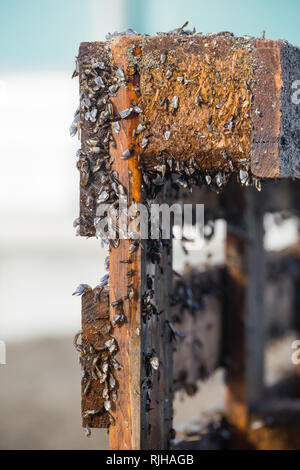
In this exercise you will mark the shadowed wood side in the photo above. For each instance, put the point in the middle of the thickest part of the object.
(243, 309)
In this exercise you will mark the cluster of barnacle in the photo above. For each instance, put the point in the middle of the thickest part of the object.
(98, 82)
(177, 31)
(148, 307)
(181, 31)
(99, 182)
(95, 118)
(99, 363)
(186, 174)
(190, 288)
(189, 173)
(151, 363)
(183, 295)
(102, 286)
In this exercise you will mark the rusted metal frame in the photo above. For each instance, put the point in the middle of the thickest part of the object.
(243, 308)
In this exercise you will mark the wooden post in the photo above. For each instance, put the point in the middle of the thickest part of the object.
(197, 107)
(244, 304)
(143, 412)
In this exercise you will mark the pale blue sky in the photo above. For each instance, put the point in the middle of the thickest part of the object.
(45, 34)
(281, 19)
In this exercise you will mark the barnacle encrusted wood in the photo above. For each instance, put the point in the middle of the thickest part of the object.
(194, 329)
(203, 107)
(223, 100)
(177, 108)
(98, 387)
(196, 99)
(94, 124)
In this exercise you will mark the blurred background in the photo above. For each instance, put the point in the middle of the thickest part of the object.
(41, 260)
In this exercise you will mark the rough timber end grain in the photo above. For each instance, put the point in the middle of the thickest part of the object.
(220, 98)
(197, 102)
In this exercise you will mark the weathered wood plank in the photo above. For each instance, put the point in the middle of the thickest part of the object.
(126, 434)
(244, 304)
(142, 414)
(193, 325)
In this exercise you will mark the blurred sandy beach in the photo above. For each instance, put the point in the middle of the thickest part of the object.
(40, 399)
